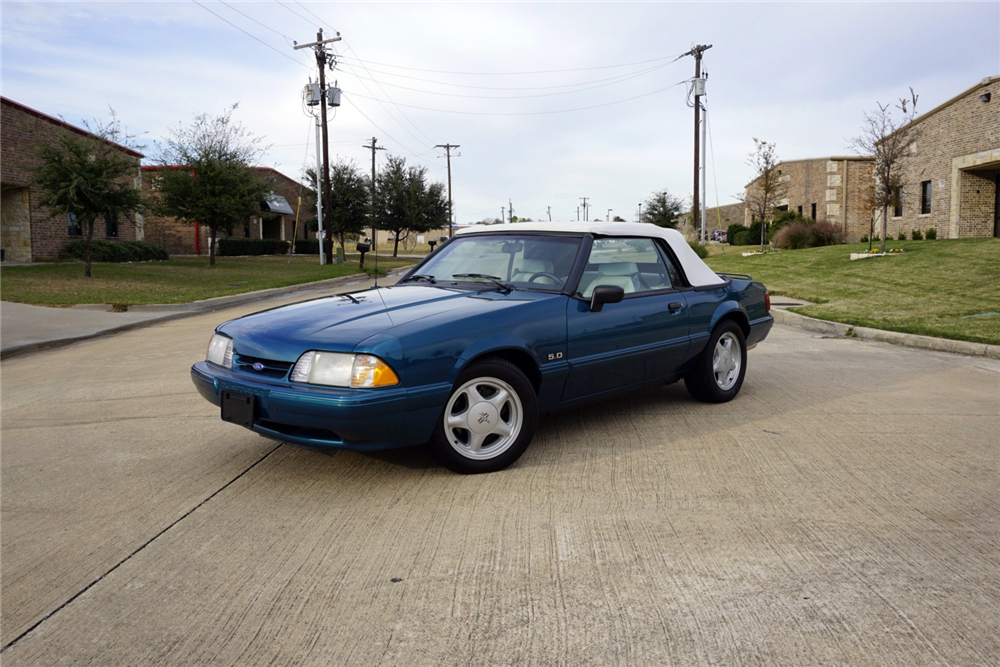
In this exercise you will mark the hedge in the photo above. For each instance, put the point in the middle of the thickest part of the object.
(115, 251)
(239, 247)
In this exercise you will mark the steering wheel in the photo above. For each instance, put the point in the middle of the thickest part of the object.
(544, 274)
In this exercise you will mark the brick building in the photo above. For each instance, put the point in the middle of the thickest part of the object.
(828, 189)
(276, 220)
(30, 232)
(716, 217)
(951, 179)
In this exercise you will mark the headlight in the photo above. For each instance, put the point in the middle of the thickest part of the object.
(220, 351)
(336, 369)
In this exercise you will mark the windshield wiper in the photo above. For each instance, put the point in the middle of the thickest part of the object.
(482, 276)
(421, 276)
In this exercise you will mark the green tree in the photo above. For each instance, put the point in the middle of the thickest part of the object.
(90, 176)
(215, 183)
(350, 203)
(405, 203)
(662, 209)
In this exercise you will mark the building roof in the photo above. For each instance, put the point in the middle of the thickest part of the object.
(941, 107)
(65, 125)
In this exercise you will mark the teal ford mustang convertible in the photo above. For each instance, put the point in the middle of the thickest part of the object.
(498, 325)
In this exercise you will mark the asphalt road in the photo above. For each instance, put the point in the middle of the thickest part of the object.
(845, 509)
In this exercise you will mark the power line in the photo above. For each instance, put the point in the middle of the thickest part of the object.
(531, 113)
(608, 82)
(551, 71)
(283, 55)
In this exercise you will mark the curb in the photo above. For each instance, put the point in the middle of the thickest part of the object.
(882, 336)
(180, 310)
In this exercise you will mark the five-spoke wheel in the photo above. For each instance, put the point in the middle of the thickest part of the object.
(718, 373)
(488, 421)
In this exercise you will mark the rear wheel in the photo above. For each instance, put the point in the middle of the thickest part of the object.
(488, 421)
(718, 373)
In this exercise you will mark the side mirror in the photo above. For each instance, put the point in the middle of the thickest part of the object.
(605, 294)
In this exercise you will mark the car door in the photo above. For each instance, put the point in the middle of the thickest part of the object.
(642, 338)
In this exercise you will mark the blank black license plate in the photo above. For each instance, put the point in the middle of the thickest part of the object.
(238, 408)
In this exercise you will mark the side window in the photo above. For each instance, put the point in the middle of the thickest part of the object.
(635, 265)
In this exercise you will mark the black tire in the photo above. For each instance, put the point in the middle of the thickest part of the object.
(488, 421)
(718, 372)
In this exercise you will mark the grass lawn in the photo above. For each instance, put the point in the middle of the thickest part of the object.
(942, 288)
(175, 281)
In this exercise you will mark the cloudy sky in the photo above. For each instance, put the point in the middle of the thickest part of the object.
(550, 102)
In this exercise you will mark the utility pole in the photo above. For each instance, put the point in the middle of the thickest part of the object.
(510, 209)
(699, 90)
(640, 212)
(584, 200)
(321, 60)
(451, 217)
(607, 218)
(373, 148)
(549, 208)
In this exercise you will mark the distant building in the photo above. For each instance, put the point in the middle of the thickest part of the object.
(828, 189)
(952, 179)
(716, 217)
(29, 231)
(276, 219)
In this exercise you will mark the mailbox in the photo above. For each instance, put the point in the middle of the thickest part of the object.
(363, 248)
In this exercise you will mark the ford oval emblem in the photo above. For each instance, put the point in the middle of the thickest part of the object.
(258, 366)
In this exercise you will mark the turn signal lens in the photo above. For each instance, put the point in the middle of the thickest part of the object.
(371, 371)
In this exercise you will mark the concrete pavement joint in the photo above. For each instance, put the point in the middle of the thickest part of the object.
(139, 549)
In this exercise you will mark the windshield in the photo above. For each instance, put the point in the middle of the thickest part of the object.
(522, 261)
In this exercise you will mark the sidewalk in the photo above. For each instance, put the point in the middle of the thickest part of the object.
(25, 328)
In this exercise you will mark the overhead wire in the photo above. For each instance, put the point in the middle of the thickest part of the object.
(675, 58)
(283, 54)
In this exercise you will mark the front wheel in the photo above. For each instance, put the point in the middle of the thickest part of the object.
(718, 373)
(488, 421)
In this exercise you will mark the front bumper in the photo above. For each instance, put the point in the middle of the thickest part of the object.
(331, 418)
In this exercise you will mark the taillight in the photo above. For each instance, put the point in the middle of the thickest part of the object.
(767, 302)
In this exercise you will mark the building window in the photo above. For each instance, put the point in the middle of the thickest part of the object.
(73, 225)
(897, 202)
(800, 210)
(925, 197)
(813, 214)
(110, 225)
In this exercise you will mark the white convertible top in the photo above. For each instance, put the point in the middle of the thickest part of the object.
(698, 272)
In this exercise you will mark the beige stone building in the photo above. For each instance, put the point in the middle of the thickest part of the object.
(30, 232)
(951, 178)
(828, 189)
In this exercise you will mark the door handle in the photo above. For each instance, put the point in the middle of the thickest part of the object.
(674, 306)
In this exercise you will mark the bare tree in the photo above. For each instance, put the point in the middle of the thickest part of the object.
(766, 189)
(890, 140)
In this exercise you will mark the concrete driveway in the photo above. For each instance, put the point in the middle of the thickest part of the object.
(845, 509)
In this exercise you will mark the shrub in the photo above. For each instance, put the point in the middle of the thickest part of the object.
(864, 239)
(733, 230)
(115, 251)
(307, 247)
(794, 236)
(901, 237)
(931, 234)
(743, 238)
(699, 249)
(236, 247)
(825, 233)
(916, 235)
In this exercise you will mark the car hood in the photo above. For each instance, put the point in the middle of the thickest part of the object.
(340, 323)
